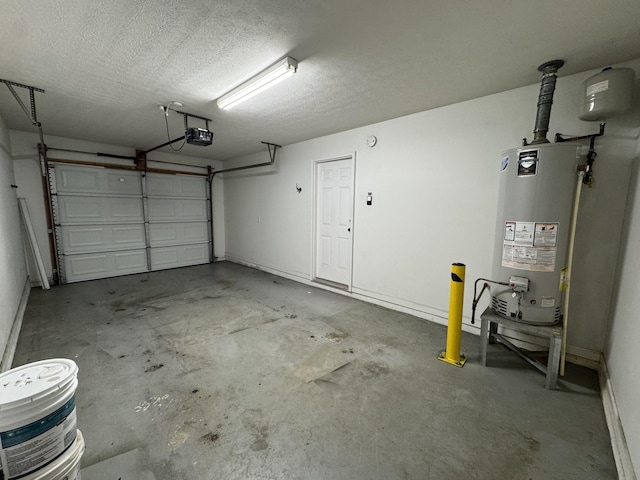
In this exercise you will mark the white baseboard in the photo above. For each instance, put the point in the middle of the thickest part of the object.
(300, 277)
(12, 341)
(618, 440)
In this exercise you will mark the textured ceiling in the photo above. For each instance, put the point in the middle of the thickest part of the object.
(107, 65)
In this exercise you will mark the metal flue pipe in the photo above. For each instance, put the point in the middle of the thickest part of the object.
(545, 100)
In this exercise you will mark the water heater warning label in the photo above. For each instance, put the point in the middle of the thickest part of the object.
(530, 246)
(546, 235)
(524, 234)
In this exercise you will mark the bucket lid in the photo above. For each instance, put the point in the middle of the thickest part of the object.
(28, 383)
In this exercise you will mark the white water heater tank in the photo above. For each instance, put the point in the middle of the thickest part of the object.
(607, 94)
(535, 201)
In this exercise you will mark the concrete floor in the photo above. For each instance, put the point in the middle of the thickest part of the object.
(225, 372)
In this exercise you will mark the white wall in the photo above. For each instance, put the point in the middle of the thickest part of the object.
(13, 272)
(434, 177)
(29, 180)
(621, 349)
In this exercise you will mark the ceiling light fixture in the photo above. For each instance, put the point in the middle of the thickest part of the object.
(266, 79)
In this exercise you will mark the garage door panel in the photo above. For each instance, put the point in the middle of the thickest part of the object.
(194, 254)
(85, 209)
(164, 258)
(164, 234)
(179, 256)
(126, 261)
(102, 238)
(97, 181)
(176, 210)
(121, 183)
(195, 232)
(176, 186)
(92, 266)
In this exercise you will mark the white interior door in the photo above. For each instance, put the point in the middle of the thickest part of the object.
(334, 215)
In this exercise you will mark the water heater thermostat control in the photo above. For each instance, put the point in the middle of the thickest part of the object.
(519, 284)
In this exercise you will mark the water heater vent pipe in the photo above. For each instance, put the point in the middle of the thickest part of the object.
(545, 100)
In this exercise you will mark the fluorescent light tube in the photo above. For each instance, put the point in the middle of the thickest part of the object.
(266, 79)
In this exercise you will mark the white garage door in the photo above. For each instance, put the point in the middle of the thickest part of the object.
(178, 220)
(106, 226)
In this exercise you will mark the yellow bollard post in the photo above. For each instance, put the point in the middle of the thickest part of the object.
(454, 330)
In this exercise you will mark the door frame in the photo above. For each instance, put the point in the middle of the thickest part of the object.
(314, 218)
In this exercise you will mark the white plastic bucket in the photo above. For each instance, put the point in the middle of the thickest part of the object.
(37, 415)
(65, 467)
